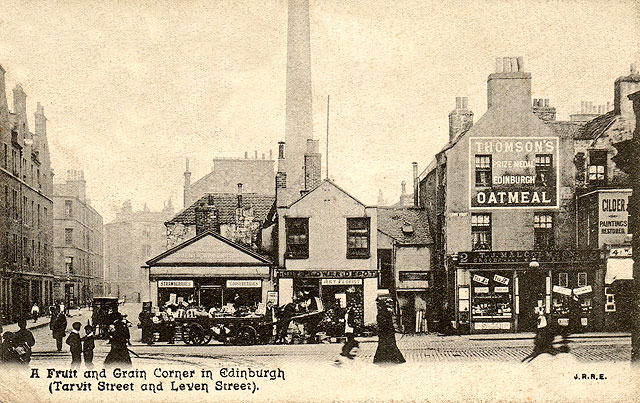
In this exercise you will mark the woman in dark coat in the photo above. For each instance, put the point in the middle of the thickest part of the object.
(119, 354)
(58, 326)
(387, 351)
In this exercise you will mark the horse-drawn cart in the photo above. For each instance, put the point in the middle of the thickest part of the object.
(239, 330)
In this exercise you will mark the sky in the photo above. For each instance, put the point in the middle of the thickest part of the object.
(132, 88)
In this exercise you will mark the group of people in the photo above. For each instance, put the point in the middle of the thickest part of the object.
(16, 346)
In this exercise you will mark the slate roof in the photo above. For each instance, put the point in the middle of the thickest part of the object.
(392, 219)
(595, 127)
(226, 204)
(565, 129)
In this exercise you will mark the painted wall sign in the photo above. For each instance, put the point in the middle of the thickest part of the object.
(526, 256)
(561, 290)
(244, 283)
(500, 279)
(175, 283)
(582, 290)
(513, 172)
(327, 273)
(480, 279)
(341, 281)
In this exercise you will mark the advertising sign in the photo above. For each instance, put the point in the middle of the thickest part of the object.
(501, 289)
(175, 283)
(500, 279)
(582, 290)
(480, 279)
(613, 217)
(561, 290)
(341, 281)
(513, 172)
(244, 283)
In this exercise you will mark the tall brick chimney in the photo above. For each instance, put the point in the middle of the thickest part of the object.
(415, 183)
(622, 88)
(509, 87)
(312, 165)
(281, 177)
(20, 109)
(4, 107)
(460, 119)
(207, 217)
(542, 109)
(187, 183)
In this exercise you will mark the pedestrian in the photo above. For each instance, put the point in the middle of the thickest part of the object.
(24, 341)
(387, 351)
(75, 345)
(35, 312)
(543, 341)
(146, 323)
(88, 344)
(286, 313)
(119, 353)
(58, 326)
(349, 352)
(8, 354)
(349, 323)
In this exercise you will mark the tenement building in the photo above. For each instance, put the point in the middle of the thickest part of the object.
(131, 238)
(26, 219)
(501, 201)
(78, 243)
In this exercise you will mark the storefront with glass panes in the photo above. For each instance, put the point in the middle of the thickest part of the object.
(502, 291)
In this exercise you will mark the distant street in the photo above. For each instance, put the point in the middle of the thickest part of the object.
(420, 348)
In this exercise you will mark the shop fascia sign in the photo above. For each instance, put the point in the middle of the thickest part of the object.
(526, 256)
(576, 291)
(244, 283)
(327, 273)
(341, 281)
(514, 179)
(175, 283)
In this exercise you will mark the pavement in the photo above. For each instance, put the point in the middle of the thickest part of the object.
(41, 322)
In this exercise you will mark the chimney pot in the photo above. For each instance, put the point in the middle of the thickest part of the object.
(280, 150)
(498, 65)
(633, 68)
(520, 60)
(255, 155)
(403, 184)
(546, 102)
(514, 64)
(246, 155)
(608, 106)
(465, 102)
(506, 65)
(270, 154)
(210, 200)
(262, 155)
(458, 102)
(535, 101)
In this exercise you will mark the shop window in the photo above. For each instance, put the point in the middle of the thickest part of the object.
(491, 295)
(358, 238)
(582, 279)
(68, 208)
(563, 279)
(544, 166)
(297, 230)
(543, 231)
(481, 231)
(68, 236)
(597, 169)
(483, 170)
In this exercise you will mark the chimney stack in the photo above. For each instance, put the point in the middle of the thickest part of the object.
(542, 109)
(509, 87)
(460, 119)
(415, 183)
(239, 195)
(207, 217)
(623, 87)
(281, 177)
(4, 107)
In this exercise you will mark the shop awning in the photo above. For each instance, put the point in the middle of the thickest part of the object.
(619, 269)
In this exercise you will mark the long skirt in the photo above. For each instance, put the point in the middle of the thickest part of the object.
(118, 355)
(387, 351)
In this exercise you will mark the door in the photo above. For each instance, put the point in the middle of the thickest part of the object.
(532, 291)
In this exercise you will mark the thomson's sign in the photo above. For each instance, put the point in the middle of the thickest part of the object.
(513, 172)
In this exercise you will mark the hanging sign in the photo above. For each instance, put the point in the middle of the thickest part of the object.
(582, 290)
(175, 283)
(244, 283)
(479, 279)
(561, 290)
(501, 279)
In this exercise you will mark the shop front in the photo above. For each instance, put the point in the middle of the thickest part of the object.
(414, 300)
(209, 271)
(618, 290)
(356, 289)
(503, 291)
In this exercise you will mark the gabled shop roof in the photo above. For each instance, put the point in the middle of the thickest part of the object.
(226, 204)
(406, 225)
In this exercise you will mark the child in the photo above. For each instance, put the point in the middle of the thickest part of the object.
(88, 344)
(75, 345)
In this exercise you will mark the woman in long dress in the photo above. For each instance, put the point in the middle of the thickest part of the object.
(387, 351)
(119, 353)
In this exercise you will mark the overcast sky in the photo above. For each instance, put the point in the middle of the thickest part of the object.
(131, 88)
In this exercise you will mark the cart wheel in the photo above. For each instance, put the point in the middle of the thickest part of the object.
(197, 335)
(207, 337)
(185, 334)
(246, 335)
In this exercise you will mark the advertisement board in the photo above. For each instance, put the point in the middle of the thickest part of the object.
(513, 172)
(613, 217)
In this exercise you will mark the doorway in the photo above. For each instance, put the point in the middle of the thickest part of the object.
(532, 292)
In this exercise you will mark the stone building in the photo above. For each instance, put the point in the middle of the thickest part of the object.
(131, 238)
(236, 216)
(256, 176)
(78, 243)
(501, 203)
(26, 222)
